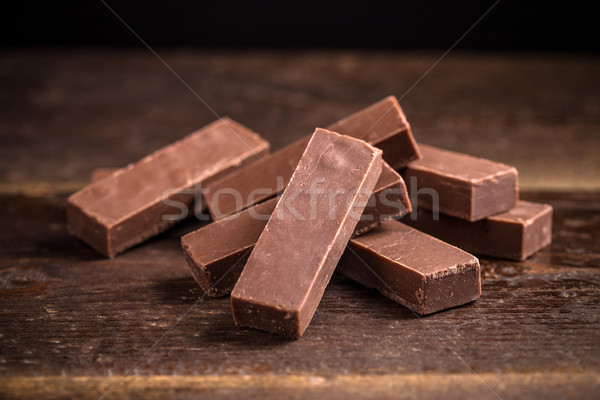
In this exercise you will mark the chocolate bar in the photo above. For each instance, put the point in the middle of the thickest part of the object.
(462, 186)
(515, 234)
(100, 173)
(389, 200)
(382, 124)
(412, 268)
(296, 254)
(218, 252)
(103, 172)
(253, 184)
(145, 198)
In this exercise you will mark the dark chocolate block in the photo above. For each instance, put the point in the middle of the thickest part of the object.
(296, 254)
(382, 124)
(515, 234)
(412, 268)
(218, 252)
(129, 206)
(467, 187)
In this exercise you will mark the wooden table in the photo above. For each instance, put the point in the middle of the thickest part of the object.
(75, 325)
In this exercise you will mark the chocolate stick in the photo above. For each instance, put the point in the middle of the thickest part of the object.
(467, 187)
(218, 252)
(382, 124)
(412, 268)
(295, 256)
(515, 234)
(130, 205)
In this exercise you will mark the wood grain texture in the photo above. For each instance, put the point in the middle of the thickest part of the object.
(63, 113)
(403, 386)
(72, 323)
(82, 321)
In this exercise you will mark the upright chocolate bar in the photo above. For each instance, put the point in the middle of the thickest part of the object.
(129, 206)
(412, 268)
(466, 187)
(382, 124)
(515, 234)
(295, 256)
(218, 252)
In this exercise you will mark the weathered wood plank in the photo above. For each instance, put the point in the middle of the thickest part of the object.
(404, 386)
(88, 316)
(71, 322)
(63, 113)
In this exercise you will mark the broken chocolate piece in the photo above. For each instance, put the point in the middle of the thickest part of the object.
(145, 198)
(382, 124)
(463, 186)
(515, 234)
(295, 256)
(218, 252)
(412, 268)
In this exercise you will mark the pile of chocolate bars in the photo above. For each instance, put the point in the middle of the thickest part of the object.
(283, 222)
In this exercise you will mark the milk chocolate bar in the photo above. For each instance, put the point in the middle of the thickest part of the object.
(389, 199)
(515, 234)
(100, 173)
(296, 254)
(463, 186)
(103, 172)
(382, 124)
(253, 184)
(145, 198)
(218, 252)
(412, 268)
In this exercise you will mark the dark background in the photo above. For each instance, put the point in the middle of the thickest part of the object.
(511, 25)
